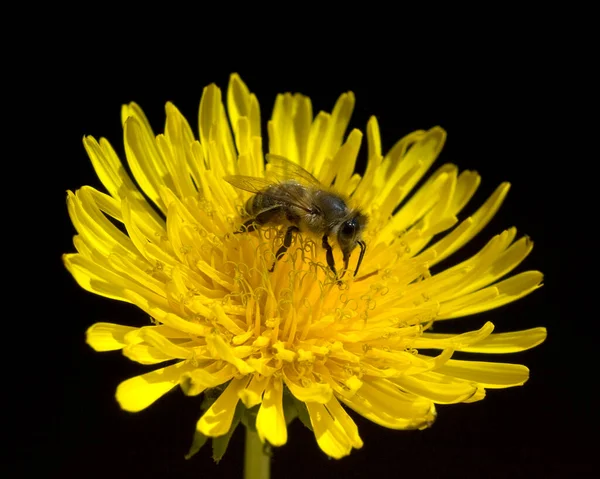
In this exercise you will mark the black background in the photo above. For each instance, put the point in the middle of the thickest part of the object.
(494, 110)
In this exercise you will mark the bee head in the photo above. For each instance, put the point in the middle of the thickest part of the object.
(350, 232)
(349, 235)
(347, 232)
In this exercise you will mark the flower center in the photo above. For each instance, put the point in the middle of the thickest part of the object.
(292, 313)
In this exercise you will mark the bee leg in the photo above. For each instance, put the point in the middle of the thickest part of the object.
(329, 251)
(260, 219)
(248, 227)
(287, 242)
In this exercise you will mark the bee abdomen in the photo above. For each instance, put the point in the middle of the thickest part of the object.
(249, 206)
(264, 209)
(258, 203)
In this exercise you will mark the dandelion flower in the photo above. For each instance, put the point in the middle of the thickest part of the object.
(294, 341)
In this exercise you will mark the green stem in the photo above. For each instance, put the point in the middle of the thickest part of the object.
(257, 464)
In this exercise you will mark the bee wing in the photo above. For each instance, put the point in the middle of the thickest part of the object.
(290, 196)
(297, 197)
(282, 169)
(248, 183)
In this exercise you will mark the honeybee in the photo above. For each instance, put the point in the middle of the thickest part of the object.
(290, 196)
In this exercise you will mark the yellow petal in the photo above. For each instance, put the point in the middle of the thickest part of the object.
(499, 343)
(457, 307)
(215, 134)
(425, 200)
(504, 292)
(512, 342)
(94, 278)
(283, 353)
(224, 351)
(302, 123)
(316, 141)
(456, 341)
(253, 394)
(282, 138)
(145, 354)
(217, 420)
(261, 366)
(345, 159)
(341, 416)
(388, 398)
(139, 392)
(340, 117)
(330, 435)
(141, 142)
(173, 146)
(503, 264)
(144, 160)
(439, 393)
(157, 308)
(381, 417)
(126, 268)
(226, 321)
(169, 332)
(112, 173)
(471, 226)
(93, 226)
(373, 139)
(242, 103)
(107, 336)
(463, 278)
(307, 390)
(134, 230)
(207, 376)
(489, 375)
(157, 340)
(270, 421)
(407, 166)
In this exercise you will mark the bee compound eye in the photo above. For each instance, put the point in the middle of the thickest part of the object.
(348, 229)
